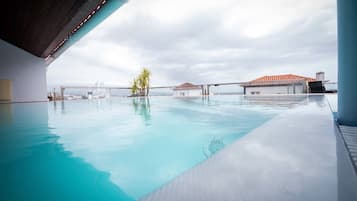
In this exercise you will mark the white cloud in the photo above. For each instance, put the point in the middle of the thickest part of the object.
(204, 41)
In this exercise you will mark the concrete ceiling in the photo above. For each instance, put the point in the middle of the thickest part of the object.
(40, 26)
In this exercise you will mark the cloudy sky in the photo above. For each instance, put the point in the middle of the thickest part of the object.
(204, 41)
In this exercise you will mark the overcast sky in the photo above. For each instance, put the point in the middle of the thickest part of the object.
(202, 41)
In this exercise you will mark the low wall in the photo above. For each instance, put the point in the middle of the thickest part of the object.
(26, 72)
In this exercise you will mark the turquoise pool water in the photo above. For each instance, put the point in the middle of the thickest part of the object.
(116, 149)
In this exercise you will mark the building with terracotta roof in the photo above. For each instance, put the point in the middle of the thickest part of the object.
(187, 90)
(279, 84)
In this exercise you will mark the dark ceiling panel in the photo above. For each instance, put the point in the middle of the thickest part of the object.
(39, 25)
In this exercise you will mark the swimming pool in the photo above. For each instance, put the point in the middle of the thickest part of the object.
(118, 149)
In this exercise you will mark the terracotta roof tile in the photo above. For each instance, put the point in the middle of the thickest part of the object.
(286, 77)
(187, 86)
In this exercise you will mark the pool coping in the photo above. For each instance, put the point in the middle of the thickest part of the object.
(196, 183)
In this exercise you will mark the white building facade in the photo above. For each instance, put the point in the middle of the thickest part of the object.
(187, 90)
(286, 89)
(278, 84)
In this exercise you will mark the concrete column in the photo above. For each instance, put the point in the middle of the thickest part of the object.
(62, 93)
(347, 62)
(54, 94)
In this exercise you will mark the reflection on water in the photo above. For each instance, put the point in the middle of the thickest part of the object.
(5, 114)
(114, 135)
(320, 101)
(213, 147)
(63, 109)
(142, 108)
(94, 150)
(33, 166)
(62, 106)
(276, 100)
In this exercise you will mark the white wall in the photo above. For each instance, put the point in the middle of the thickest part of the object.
(183, 93)
(275, 90)
(27, 73)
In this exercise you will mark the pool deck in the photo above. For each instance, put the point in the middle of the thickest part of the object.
(291, 157)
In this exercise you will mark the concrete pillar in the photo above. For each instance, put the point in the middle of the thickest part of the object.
(347, 62)
(54, 94)
(109, 92)
(62, 93)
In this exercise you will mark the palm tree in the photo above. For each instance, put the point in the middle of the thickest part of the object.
(142, 83)
(146, 76)
(134, 87)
